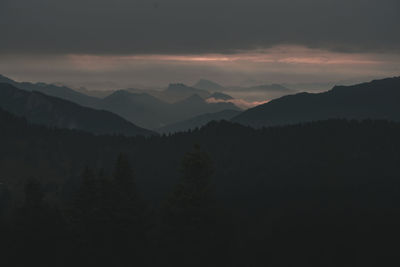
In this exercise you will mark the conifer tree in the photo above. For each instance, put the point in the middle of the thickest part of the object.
(91, 219)
(190, 218)
(38, 227)
(127, 213)
(191, 202)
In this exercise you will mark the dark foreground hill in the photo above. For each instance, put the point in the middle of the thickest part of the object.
(378, 99)
(41, 109)
(198, 121)
(62, 92)
(315, 194)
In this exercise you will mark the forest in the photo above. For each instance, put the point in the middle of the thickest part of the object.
(323, 193)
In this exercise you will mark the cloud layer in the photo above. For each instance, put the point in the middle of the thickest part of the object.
(281, 64)
(196, 27)
(241, 103)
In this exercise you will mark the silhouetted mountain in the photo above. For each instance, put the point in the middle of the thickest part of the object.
(196, 105)
(193, 100)
(208, 85)
(178, 91)
(220, 96)
(173, 93)
(39, 108)
(140, 108)
(53, 90)
(150, 112)
(95, 93)
(198, 121)
(378, 99)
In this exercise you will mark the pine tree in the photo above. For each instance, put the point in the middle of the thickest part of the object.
(38, 228)
(190, 203)
(124, 178)
(91, 218)
(128, 213)
(190, 218)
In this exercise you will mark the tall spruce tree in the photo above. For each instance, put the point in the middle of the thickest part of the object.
(91, 219)
(128, 214)
(190, 217)
(38, 230)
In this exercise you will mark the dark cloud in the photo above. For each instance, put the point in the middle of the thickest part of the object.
(193, 26)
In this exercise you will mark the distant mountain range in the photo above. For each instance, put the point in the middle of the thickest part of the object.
(175, 92)
(379, 99)
(150, 109)
(42, 109)
(209, 86)
(152, 113)
(215, 87)
(184, 107)
(250, 93)
(179, 91)
(198, 121)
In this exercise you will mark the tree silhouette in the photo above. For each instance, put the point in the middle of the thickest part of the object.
(127, 213)
(190, 217)
(123, 176)
(38, 229)
(91, 218)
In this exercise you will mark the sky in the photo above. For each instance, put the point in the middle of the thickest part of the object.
(104, 44)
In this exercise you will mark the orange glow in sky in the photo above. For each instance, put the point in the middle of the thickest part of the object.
(280, 55)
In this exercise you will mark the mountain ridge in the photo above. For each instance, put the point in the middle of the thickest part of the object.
(198, 121)
(377, 99)
(63, 92)
(51, 111)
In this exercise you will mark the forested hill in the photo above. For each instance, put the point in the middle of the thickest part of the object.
(55, 112)
(378, 99)
(327, 153)
(297, 190)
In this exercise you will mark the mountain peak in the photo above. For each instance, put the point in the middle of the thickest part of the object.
(180, 91)
(208, 85)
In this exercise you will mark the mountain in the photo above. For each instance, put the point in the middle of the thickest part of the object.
(220, 96)
(95, 93)
(53, 90)
(42, 109)
(142, 109)
(150, 112)
(208, 85)
(378, 99)
(175, 92)
(178, 91)
(196, 105)
(198, 121)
